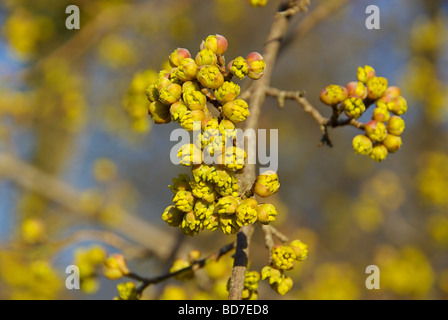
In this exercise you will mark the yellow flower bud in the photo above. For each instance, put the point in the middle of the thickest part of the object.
(354, 107)
(393, 143)
(210, 77)
(115, 267)
(395, 125)
(300, 249)
(227, 92)
(184, 201)
(194, 100)
(226, 205)
(216, 43)
(365, 74)
(376, 87)
(266, 213)
(206, 57)
(333, 94)
(246, 212)
(159, 112)
(187, 70)
(362, 144)
(178, 55)
(266, 184)
(173, 216)
(376, 130)
(236, 110)
(379, 153)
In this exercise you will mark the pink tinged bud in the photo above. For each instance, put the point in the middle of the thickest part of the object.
(393, 143)
(178, 55)
(162, 83)
(177, 110)
(159, 112)
(357, 89)
(393, 92)
(333, 94)
(197, 115)
(216, 43)
(266, 213)
(395, 125)
(115, 267)
(381, 114)
(256, 65)
(266, 184)
(239, 67)
(376, 130)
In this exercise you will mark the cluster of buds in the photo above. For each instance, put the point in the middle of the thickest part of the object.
(88, 261)
(283, 257)
(211, 199)
(383, 131)
(186, 91)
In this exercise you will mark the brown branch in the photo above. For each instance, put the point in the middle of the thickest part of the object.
(195, 265)
(280, 236)
(269, 240)
(322, 121)
(258, 94)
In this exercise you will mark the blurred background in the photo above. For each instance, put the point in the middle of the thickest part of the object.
(83, 170)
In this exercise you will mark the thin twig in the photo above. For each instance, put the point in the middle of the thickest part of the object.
(195, 265)
(322, 121)
(268, 239)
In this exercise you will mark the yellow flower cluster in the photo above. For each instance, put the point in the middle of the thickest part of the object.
(383, 131)
(283, 257)
(184, 93)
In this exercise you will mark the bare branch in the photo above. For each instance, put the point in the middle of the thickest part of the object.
(258, 94)
(195, 265)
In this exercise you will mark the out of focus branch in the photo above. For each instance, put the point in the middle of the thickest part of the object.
(322, 121)
(195, 265)
(127, 224)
